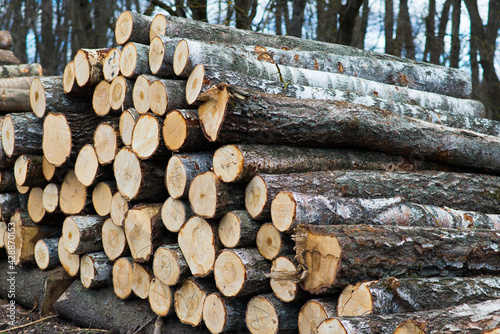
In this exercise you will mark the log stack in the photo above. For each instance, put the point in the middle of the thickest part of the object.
(282, 185)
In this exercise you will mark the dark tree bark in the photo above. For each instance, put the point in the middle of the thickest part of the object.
(437, 49)
(198, 9)
(297, 20)
(47, 44)
(245, 13)
(389, 26)
(430, 23)
(361, 27)
(455, 34)
(404, 33)
(347, 20)
(327, 20)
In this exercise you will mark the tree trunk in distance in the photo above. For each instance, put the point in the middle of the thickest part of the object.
(166, 95)
(183, 168)
(14, 100)
(170, 266)
(268, 314)
(22, 134)
(114, 241)
(314, 312)
(271, 243)
(128, 119)
(132, 27)
(82, 234)
(222, 315)
(23, 70)
(189, 299)
(182, 132)
(174, 213)
(102, 196)
(95, 270)
(46, 256)
(237, 229)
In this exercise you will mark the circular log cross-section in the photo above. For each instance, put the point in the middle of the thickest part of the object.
(87, 165)
(128, 119)
(73, 195)
(100, 98)
(140, 94)
(120, 93)
(146, 137)
(174, 213)
(21, 134)
(134, 60)
(181, 58)
(119, 208)
(69, 77)
(70, 262)
(141, 280)
(88, 66)
(194, 83)
(36, 210)
(28, 171)
(101, 198)
(158, 26)
(266, 314)
(169, 265)
(37, 97)
(160, 298)
(49, 170)
(46, 256)
(182, 131)
(223, 315)
(82, 234)
(132, 27)
(166, 95)
(122, 277)
(237, 229)
(56, 142)
(161, 54)
(189, 299)
(114, 241)
(284, 282)
(111, 66)
(271, 243)
(95, 270)
(313, 312)
(106, 142)
(50, 197)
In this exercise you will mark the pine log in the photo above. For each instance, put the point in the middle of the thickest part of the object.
(462, 191)
(267, 314)
(114, 241)
(22, 134)
(182, 132)
(241, 272)
(50, 197)
(353, 253)
(28, 171)
(88, 66)
(169, 265)
(95, 270)
(224, 315)
(160, 298)
(466, 318)
(72, 195)
(138, 179)
(140, 93)
(70, 262)
(174, 213)
(141, 280)
(144, 231)
(107, 141)
(82, 234)
(147, 138)
(161, 56)
(132, 27)
(9, 202)
(120, 93)
(190, 53)
(289, 209)
(342, 124)
(211, 198)
(46, 256)
(239, 163)
(406, 295)
(7, 57)
(199, 243)
(14, 100)
(166, 95)
(122, 277)
(271, 243)
(16, 83)
(128, 119)
(70, 86)
(102, 196)
(5, 40)
(23, 70)
(119, 208)
(189, 299)
(314, 312)
(284, 282)
(100, 99)
(88, 170)
(111, 66)
(237, 229)
(134, 60)
(182, 169)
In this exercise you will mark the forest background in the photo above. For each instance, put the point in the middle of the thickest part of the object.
(455, 33)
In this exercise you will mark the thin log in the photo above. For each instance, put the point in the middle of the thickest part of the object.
(111, 66)
(22, 134)
(107, 141)
(268, 314)
(161, 56)
(102, 196)
(46, 256)
(271, 243)
(147, 138)
(100, 99)
(50, 197)
(182, 131)
(28, 171)
(9, 202)
(174, 213)
(119, 208)
(166, 95)
(223, 315)
(16, 82)
(88, 66)
(134, 60)
(5, 40)
(23, 70)
(128, 119)
(170, 266)
(161, 298)
(72, 195)
(183, 168)
(141, 280)
(237, 229)
(120, 93)
(114, 241)
(132, 27)
(122, 277)
(353, 253)
(82, 234)
(14, 100)
(189, 299)
(95, 270)
(314, 312)
(140, 94)
(70, 262)
(284, 282)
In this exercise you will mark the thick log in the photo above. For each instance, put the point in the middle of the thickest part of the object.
(241, 272)
(466, 318)
(239, 163)
(102, 196)
(140, 94)
(14, 100)
(70, 86)
(128, 119)
(107, 141)
(50, 198)
(72, 195)
(16, 83)
(342, 124)
(350, 254)
(237, 229)
(22, 134)
(114, 241)
(406, 295)
(100, 99)
(119, 208)
(211, 198)
(5, 40)
(223, 315)
(174, 213)
(46, 256)
(314, 312)
(169, 265)
(284, 282)
(111, 66)
(166, 95)
(147, 138)
(189, 299)
(271, 243)
(120, 93)
(161, 55)
(88, 66)
(289, 209)
(132, 27)
(23, 70)
(141, 280)
(70, 262)
(122, 277)
(138, 179)
(82, 234)
(88, 170)
(160, 298)
(431, 188)
(134, 60)
(95, 270)
(268, 314)
(144, 231)
(199, 243)
(182, 169)
(9, 202)
(28, 171)
(182, 132)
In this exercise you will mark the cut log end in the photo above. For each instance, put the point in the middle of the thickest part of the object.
(100, 98)
(128, 173)
(128, 59)
(229, 230)
(37, 98)
(87, 271)
(36, 210)
(212, 114)
(256, 196)
(409, 327)
(146, 136)
(156, 54)
(122, 278)
(82, 68)
(23, 190)
(20, 168)
(261, 316)
(140, 94)
(117, 92)
(283, 208)
(157, 98)
(173, 214)
(50, 197)
(230, 273)
(331, 325)
(285, 289)
(128, 119)
(214, 313)
(311, 315)
(86, 165)
(70, 235)
(355, 300)
(73, 195)
(101, 198)
(188, 303)
(228, 163)
(69, 77)
(57, 141)
(48, 169)
(111, 66)
(138, 230)
(124, 26)
(8, 136)
(203, 194)
(268, 241)
(70, 262)
(43, 253)
(195, 83)
(181, 57)
(141, 280)
(175, 130)
(158, 26)
(166, 267)
(175, 177)
(105, 143)
(160, 298)
(119, 208)
(113, 240)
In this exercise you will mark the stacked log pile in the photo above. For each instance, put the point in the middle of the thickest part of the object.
(280, 186)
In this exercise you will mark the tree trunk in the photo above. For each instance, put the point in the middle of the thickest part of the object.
(182, 132)
(88, 66)
(107, 141)
(73, 195)
(182, 169)
(95, 270)
(273, 120)
(170, 266)
(82, 234)
(174, 213)
(23, 70)
(161, 56)
(160, 298)
(128, 119)
(438, 46)
(111, 66)
(140, 94)
(354, 253)
(189, 299)
(46, 256)
(14, 100)
(100, 99)
(166, 95)
(284, 282)
(134, 60)
(22, 134)
(132, 27)
(28, 171)
(237, 229)
(70, 262)
(406, 295)
(314, 312)
(147, 138)
(223, 315)
(455, 34)
(120, 93)
(122, 277)
(271, 243)
(114, 241)
(289, 209)
(141, 280)
(268, 314)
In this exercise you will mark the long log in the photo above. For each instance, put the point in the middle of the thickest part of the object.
(88, 66)
(170, 266)
(275, 120)
(165, 95)
(267, 314)
(120, 93)
(289, 209)
(107, 141)
(160, 298)
(14, 100)
(70, 262)
(147, 138)
(46, 256)
(132, 27)
(134, 60)
(182, 132)
(111, 66)
(239, 163)
(22, 134)
(102, 196)
(95, 270)
(462, 191)
(406, 295)
(189, 299)
(16, 82)
(5, 40)
(223, 315)
(114, 241)
(140, 94)
(182, 169)
(174, 213)
(82, 234)
(23, 70)
(314, 312)
(237, 229)
(128, 119)
(73, 195)
(271, 243)
(352, 253)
